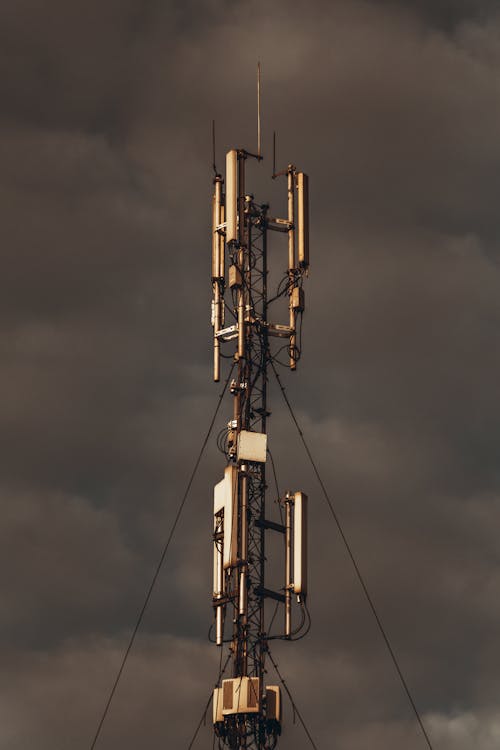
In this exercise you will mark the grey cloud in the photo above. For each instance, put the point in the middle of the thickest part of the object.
(105, 347)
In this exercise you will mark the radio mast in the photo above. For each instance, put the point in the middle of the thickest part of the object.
(247, 712)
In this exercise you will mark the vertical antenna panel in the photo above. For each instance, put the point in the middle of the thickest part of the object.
(219, 624)
(222, 269)
(232, 492)
(216, 220)
(303, 219)
(291, 261)
(291, 218)
(216, 350)
(273, 703)
(217, 249)
(232, 195)
(300, 544)
(220, 508)
(288, 567)
(243, 549)
(226, 499)
(217, 705)
(218, 589)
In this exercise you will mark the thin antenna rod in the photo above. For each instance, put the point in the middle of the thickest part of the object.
(213, 148)
(274, 154)
(259, 156)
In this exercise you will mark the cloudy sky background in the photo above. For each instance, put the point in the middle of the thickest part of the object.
(393, 108)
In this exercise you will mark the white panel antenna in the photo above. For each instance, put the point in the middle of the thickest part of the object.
(218, 716)
(303, 219)
(241, 695)
(252, 446)
(226, 502)
(273, 703)
(300, 544)
(231, 196)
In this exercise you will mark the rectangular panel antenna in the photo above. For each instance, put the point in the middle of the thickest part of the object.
(216, 220)
(217, 705)
(241, 695)
(218, 584)
(303, 219)
(222, 269)
(226, 499)
(231, 196)
(252, 446)
(273, 703)
(300, 543)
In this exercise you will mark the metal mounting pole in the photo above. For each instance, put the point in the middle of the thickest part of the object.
(291, 261)
(288, 566)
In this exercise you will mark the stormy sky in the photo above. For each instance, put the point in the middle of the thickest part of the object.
(393, 108)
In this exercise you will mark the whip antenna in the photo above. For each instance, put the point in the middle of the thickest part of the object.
(213, 148)
(274, 154)
(259, 155)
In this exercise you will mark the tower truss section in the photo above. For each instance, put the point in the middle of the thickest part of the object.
(247, 711)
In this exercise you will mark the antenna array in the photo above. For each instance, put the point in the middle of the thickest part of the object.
(246, 711)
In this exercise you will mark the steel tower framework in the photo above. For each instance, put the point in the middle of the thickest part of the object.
(246, 711)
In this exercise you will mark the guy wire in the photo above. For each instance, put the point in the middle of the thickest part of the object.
(221, 673)
(354, 563)
(294, 705)
(159, 565)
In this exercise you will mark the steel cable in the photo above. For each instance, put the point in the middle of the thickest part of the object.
(294, 705)
(159, 565)
(221, 673)
(355, 564)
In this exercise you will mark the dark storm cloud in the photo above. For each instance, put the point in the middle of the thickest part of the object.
(446, 14)
(393, 108)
